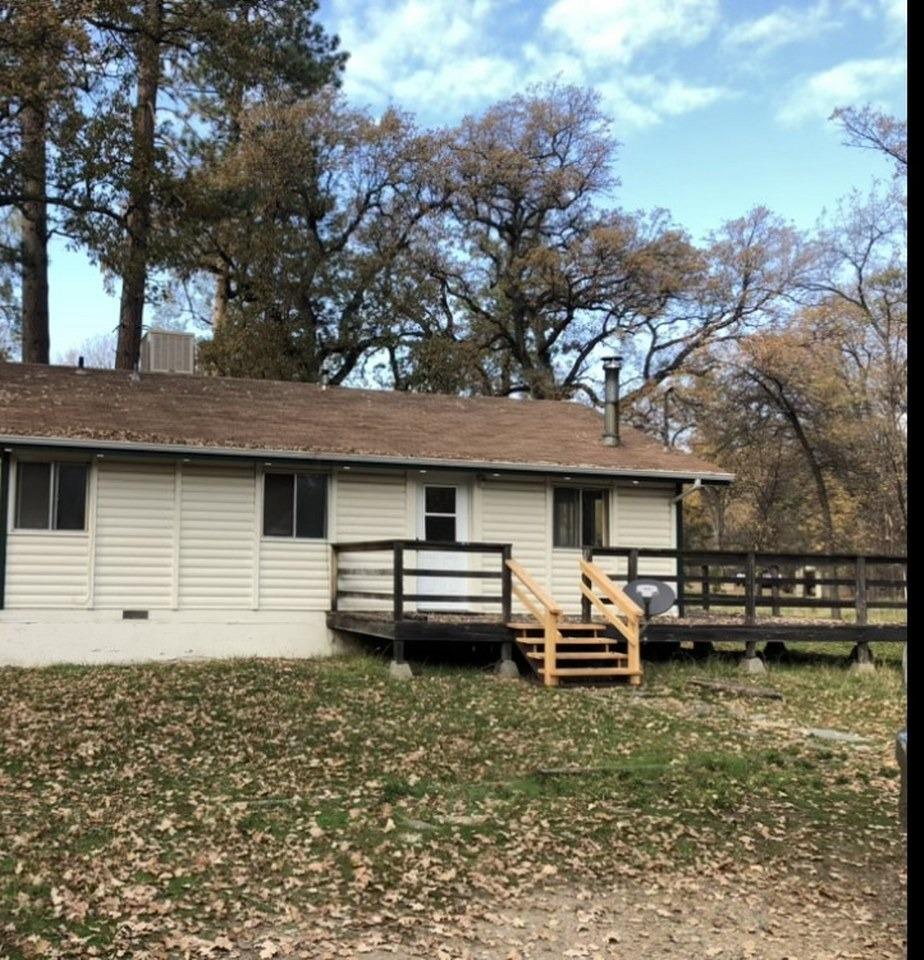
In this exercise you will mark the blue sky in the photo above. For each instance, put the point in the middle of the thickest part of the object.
(718, 104)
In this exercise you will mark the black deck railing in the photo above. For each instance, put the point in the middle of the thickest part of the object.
(752, 580)
(397, 569)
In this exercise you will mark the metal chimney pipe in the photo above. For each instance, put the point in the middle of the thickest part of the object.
(611, 367)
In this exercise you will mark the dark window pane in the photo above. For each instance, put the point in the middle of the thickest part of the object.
(278, 504)
(441, 500)
(565, 523)
(593, 518)
(33, 490)
(72, 496)
(442, 529)
(311, 507)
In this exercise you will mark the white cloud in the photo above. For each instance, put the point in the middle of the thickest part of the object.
(851, 82)
(673, 96)
(617, 30)
(896, 11)
(782, 26)
(421, 53)
(440, 58)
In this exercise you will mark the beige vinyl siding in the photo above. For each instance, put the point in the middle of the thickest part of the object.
(516, 512)
(566, 579)
(217, 543)
(371, 506)
(294, 574)
(136, 533)
(47, 569)
(645, 517)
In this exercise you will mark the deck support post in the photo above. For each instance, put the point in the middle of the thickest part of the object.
(861, 658)
(506, 584)
(632, 570)
(398, 581)
(750, 662)
(506, 667)
(750, 590)
(399, 668)
(860, 604)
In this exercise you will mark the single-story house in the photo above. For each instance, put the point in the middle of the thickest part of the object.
(157, 515)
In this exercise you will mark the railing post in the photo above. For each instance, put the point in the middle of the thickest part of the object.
(681, 584)
(585, 602)
(750, 597)
(860, 591)
(506, 584)
(632, 570)
(634, 649)
(334, 577)
(775, 590)
(398, 581)
(835, 594)
(704, 570)
(549, 660)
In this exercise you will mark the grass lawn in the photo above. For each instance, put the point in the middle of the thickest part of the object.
(197, 809)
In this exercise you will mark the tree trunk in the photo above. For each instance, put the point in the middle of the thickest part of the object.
(220, 300)
(138, 218)
(35, 339)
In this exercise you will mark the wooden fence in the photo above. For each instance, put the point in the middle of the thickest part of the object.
(710, 579)
(346, 563)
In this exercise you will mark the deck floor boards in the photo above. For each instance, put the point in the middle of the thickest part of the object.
(449, 627)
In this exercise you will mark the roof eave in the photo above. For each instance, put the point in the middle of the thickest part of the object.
(102, 447)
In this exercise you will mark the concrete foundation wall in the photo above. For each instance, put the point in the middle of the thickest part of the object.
(32, 638)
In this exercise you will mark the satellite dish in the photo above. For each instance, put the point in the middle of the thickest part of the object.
(653, 596)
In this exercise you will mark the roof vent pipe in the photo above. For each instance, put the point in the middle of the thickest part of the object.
(611, 367)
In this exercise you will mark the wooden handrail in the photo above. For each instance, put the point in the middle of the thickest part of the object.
(628, 624)
(526, 579)
(606, 586)
(546, 612)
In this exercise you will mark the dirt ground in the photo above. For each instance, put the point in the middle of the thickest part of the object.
(845, 914)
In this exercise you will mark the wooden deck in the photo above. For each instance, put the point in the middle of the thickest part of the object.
(781, 598)
(485, 628)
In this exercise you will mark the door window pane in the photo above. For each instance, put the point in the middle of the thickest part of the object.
(442, 529)
(33, 493)
(566, 510)
(278, 504)
(311, 505)
(593, 518)
(71, 496)
(440, 500)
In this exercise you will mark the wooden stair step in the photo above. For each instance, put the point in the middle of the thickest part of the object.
(592, 672)
(583, 655)
(571, 641)
(526, 625)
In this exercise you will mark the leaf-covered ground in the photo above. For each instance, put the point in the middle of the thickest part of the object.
(317, 808)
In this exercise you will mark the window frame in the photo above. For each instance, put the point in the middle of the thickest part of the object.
(439, 514)
(581, 489)
(293, 536)
(51, 529)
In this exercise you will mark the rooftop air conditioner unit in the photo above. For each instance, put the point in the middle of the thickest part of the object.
(165, 351)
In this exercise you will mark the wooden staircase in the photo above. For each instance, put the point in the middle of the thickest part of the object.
(560, 650)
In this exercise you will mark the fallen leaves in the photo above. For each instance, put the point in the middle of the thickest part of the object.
(193, 810)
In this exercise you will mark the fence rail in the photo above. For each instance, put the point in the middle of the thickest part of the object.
(344, 563)
(771, 580)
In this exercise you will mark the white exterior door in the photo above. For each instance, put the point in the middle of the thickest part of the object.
(443, 517)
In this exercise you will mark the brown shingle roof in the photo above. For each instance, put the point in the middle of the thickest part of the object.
(336, 423)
